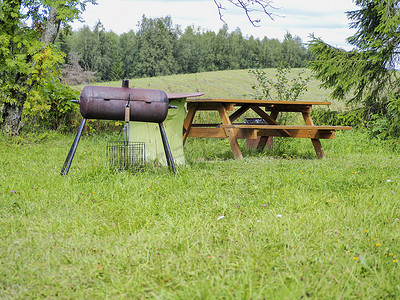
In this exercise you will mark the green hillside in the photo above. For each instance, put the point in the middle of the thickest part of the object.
(235, 84)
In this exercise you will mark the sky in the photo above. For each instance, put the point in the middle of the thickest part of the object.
(323, 18)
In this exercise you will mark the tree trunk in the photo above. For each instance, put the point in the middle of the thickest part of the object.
(12, 118)
(12, 113)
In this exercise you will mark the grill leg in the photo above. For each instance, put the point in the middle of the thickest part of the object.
(167, 150)
(71, 153)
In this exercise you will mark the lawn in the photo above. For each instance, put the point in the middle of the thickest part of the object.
(234, 84)
(279, 224)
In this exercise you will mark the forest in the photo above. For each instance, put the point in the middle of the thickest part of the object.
(158, 47)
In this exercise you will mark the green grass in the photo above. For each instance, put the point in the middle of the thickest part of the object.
(294, 226)
(234, 84)
(231, 84)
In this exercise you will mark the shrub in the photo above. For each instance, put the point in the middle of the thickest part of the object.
(50, 106)
(283, 89)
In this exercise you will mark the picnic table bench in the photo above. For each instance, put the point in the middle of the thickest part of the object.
(267, 110)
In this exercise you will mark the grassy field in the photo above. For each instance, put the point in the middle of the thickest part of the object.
(231, 84)
(235, 84)
(280, 224)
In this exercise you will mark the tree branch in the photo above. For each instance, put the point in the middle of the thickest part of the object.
(249, 6)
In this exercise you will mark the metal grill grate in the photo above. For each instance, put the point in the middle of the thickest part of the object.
(125, 155)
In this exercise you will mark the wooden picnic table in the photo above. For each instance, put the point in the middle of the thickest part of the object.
(265, 109)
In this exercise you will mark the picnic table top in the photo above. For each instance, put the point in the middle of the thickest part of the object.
(265, 102)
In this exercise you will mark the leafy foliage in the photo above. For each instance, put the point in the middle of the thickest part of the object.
(283, 89)
(387, 125)
(51, 106)
(28, 58)
(336, 118)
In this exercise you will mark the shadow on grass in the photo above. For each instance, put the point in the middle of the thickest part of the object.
(203, 149)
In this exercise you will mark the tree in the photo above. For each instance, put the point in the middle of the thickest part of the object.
(223, 50)
(128, 47)
(28, 56)
(368, 70)
(85, 44)
(271, 53)
(294, 53)
(208, 60)
(188, 51)
(106, 59)
(157, 39)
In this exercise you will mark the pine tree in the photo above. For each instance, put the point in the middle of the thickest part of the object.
(367, 70)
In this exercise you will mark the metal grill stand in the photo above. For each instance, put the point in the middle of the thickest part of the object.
(107, 103)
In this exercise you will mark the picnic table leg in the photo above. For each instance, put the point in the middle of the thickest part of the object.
(268, 140)
(233, 117)
(237, 153)
(316, 142)
(188, 122)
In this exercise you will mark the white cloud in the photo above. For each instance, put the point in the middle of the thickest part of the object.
(324, 18)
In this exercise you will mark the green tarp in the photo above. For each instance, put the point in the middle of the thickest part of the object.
(149, 133)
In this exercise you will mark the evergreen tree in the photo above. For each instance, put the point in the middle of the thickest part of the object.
(237, 46)
(85, 44)
(208, 60)
(159, 48)
(293, 51)
(271, 53)
(128, 52)
(252, 52)
(157, 39)
(188, 51)
(367, 70)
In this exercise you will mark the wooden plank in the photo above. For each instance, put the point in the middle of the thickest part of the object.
(315, 141)
(245, 133)
(188, 122)
(206, 124)
(264, 115)
(206, 132)
(210, 105)
(318, 148)
(261, 102)
(203, 106)
(268, 140)
(242, 133)
(300, 133)
(284, 107)
(239, 112)
(288, 107)
(287, 127)
(237, 153)
(263, 141)
(267, 118)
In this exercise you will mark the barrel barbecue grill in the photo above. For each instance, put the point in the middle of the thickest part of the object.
(122, 104)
